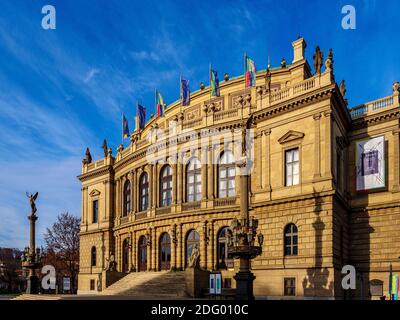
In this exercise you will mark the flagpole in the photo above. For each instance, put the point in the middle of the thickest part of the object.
(122, 122)
(244, 92)
(180, 91)
(155, 101)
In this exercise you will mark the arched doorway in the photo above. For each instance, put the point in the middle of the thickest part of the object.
(165, 251)
(125, 256)
(142, 254)
(192, 240)
(223, 262)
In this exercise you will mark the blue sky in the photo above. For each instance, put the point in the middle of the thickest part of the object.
(62, 90)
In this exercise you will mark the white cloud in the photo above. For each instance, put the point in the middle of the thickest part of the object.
(92, 72)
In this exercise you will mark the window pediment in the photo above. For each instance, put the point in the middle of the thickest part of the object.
(94, 193)
(290, 136)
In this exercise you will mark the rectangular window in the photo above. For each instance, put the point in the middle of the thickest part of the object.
(290, 286)
(92, 285)
(95, 213)
(292, 172)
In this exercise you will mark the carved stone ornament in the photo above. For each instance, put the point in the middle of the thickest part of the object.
(290, 136)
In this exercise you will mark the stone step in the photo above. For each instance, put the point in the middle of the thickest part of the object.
(37, 297)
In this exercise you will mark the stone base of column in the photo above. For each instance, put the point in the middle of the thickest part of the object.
(32, 286)
(244, 285)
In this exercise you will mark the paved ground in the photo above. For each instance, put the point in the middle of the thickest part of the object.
(6, 297)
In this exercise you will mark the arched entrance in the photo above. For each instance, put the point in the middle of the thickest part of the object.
(165, 251)
(125, 256)
(142, 254)
(192, 240)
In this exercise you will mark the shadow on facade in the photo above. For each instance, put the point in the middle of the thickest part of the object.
(317, 284)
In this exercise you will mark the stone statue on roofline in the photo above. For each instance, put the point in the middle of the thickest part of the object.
(342, 88)
(88, 157)
(105, 148)
(318, 60)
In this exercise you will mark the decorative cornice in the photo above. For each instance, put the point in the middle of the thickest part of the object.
(95, 173)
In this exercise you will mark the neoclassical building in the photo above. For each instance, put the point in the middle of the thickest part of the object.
(324, 186)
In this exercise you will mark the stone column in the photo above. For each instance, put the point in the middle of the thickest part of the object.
(134, 190)
(395, 161)
(317, 152)
(259, 157)
(266, 160)
(149, 247)
(213, 246)
(175, 173)
(180, 180)
(151, 204)
(210, 180)
(155, 250)
(180, 246)
(328, 144)
(131, 252)
(154, 183)
(116, 206)
(203, 246)
(134, 251)
(83, 203)
(204, 174)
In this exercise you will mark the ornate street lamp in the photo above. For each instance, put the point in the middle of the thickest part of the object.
(241, 238)
(31, 258)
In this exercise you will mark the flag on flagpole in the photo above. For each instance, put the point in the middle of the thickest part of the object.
(125, 128)
(185, 92)
(250, 72)
(160, 104)
(214, 83)
(141, 113)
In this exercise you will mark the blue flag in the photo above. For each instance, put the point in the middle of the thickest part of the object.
(125, 128)
(185, 92)
(141, 112)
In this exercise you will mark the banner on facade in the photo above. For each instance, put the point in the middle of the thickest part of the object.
(370, 164)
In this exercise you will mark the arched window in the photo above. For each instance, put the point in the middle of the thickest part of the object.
(93, 257)
(166, 186)
(290, 235)
(193, 180)
(144, 192)
(226, 175)
(222, 250)
(192, 240)
(127, 198)
(165, 251)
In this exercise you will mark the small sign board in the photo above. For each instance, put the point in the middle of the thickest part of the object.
(66, 284)
(215, 283)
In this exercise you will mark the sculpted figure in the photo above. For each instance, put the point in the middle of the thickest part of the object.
(318, 58)
(105, 148)
(32, 199)
(195, 257)
(342, 88)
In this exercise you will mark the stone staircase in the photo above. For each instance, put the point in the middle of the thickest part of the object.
(152, 285)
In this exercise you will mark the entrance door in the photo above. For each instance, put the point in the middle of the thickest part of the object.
(142, 252)
(165, 251)
(125, 256)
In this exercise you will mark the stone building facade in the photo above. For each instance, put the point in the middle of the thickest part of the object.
(161, 195)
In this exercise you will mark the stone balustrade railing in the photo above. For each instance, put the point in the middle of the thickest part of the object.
(374, 107)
